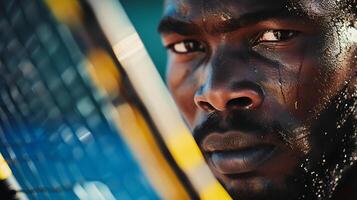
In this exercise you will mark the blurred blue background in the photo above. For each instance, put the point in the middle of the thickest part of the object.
(145, 15)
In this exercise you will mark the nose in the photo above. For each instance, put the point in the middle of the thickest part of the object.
(247, 96)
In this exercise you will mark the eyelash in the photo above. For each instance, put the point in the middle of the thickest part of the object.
(188, 44)
(193, 46)
(290, 34)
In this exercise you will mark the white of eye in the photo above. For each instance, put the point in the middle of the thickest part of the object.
(270, 36)
(180, 47)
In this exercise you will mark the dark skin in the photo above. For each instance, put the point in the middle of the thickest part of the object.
(269, 90)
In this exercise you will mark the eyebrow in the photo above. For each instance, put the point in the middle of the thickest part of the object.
(170, 24)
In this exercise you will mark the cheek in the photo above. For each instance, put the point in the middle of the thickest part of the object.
(280, 75)
(318, 82)
(308, 85)
(326, 70)
(182, 86)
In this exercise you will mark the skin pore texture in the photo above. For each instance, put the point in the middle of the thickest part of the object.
(268, 88)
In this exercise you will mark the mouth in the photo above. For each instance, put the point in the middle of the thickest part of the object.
(241, 161)
(236, 153)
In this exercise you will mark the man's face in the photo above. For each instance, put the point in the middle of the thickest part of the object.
(263, 84)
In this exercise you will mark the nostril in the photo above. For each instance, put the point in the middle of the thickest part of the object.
(205, 106)
(239, 103)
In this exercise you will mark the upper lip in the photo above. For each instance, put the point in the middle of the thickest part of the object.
(233, 141)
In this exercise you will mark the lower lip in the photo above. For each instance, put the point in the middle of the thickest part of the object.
(242, 161)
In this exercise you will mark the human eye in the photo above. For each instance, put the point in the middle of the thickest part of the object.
(275, 36)
(187, 47)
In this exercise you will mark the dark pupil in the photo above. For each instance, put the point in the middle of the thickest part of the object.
(283, 35)
(193, 46)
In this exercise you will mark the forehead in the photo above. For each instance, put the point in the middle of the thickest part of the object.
(224, 8)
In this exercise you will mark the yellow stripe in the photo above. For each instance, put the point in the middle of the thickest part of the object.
(67, 11)
(5, 171)
(189, 157)
(159, 172)
(184, 149)
(214, 191)
(134, 128)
